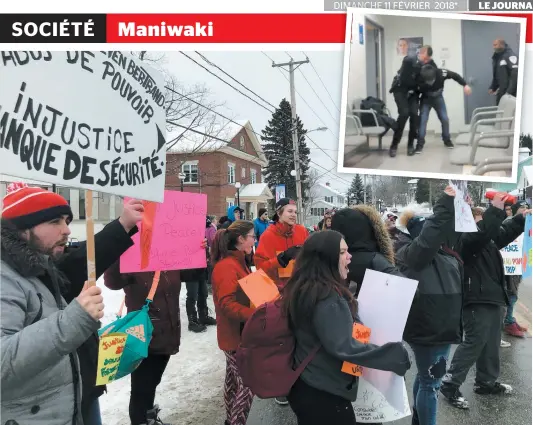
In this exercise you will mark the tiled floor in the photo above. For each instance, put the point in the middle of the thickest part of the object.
(434, 158)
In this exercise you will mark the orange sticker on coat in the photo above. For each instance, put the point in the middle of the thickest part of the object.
(362, 334)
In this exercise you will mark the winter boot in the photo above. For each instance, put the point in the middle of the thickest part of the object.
(195, 325)
(496, 389)
(205, 319)
(454, 395)
(152, 416)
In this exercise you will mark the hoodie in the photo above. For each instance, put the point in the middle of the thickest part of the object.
(230, 218)
(277, 238)
(368, 242)
(259, 228)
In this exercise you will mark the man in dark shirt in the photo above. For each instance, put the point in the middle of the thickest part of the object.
(431, 86)
(504, 70)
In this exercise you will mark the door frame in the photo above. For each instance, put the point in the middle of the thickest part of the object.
(380, 56)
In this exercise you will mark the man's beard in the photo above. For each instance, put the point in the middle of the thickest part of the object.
(35, 243)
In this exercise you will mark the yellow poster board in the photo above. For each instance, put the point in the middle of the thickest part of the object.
(110, 352)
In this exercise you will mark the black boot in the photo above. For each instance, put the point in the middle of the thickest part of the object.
(410, 150)
(205, 319)
(152, 417)
(195, 325)
(393, 150)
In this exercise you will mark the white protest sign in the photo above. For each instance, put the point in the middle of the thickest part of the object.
(464, 219)
(90, 120)
(512, 257)
(384, 304)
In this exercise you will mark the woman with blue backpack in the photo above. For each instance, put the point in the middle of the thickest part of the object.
(228, 256)
(322, 313)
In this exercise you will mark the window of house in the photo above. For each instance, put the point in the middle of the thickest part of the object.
(241, 142)
(253, 176)
(230, 203)
(231, 173)
(328, 199)
(190, 169)
(243, 172)
(340, 199)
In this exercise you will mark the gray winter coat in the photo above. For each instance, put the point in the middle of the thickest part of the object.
(40, 332)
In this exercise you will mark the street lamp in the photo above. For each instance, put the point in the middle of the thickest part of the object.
(318, 129)
(238, 186)
(182, 177)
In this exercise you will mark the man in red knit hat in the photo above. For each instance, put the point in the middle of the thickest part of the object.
(49, 319)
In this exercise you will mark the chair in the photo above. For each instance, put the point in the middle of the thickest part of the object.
(354, 136)
(502, 163)
(466, 155)
(370, 131)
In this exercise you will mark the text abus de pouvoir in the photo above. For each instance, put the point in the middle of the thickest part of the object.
(52, 28)
(29, 137)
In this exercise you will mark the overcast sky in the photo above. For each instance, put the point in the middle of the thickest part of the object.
(254, 69)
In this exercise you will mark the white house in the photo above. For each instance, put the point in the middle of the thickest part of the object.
(324, 197)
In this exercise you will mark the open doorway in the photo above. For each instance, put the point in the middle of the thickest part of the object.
(375, 60)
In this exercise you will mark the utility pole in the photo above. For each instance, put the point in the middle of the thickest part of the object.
(293, 66)
(364, 193)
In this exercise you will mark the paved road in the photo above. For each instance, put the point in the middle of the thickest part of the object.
(514, 409)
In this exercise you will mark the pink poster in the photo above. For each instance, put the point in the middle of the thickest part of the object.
(178, 232)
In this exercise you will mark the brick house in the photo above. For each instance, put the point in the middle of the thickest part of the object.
(214, 167)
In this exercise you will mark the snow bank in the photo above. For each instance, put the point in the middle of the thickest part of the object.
(191, 391)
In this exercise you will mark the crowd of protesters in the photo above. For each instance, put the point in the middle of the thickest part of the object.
(50, 318)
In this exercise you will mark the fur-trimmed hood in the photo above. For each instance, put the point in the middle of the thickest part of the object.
(19, 255)
(364, 230)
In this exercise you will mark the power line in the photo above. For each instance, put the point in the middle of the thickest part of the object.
(323, 85)
(317, 96)
(225, 82)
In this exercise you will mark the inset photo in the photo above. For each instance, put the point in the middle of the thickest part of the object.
(432, 95)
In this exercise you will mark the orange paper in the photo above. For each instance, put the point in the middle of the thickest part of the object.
(150, 209)
(362, 334)
(259, 288)
(287, 271)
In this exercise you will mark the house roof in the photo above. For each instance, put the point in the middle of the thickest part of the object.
(193, 142)
(321, 202)
(334, 191)
(256, 190)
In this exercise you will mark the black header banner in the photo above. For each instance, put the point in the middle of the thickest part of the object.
(52, 28)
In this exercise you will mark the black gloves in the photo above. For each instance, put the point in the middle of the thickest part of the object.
(288, 255)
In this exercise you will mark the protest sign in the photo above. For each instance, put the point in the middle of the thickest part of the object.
(110, 352)
(259, 288)
(178, 230)
(527, 260)
(384, 304)
(285, 271)
(512, 257)
(90, 120)
(464, 219)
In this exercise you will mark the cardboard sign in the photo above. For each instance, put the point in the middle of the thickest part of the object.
(512, 257)
(178, 230)
(285, 271)
(464, 219)
(259, 288)
(362, 334)
(527, 250)
(110, 351)
(89, 120)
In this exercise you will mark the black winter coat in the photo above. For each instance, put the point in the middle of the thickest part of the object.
(436, 313)
(484, 279)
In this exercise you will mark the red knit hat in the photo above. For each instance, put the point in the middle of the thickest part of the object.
(26, 207)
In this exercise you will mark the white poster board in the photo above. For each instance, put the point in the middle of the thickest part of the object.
(464, 219)
(384, 304)
(90, 120)
(512, 257)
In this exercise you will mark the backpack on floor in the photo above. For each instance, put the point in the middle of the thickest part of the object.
(265, 357)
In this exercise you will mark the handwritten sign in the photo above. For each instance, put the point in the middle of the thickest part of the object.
(362, 334)
(177, 234)
(110, 351)
(90, 120)
(285, 271)
(464, 219)
(384, 304)
(259, 288)
(526, 247)
(512, 257)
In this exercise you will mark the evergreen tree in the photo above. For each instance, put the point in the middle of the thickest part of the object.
(278, 148)
(525, 141)
(422, 191)
(356, 192)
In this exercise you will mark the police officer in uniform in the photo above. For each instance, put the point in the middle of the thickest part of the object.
(406, 96)
(431, 88)
(504, 70)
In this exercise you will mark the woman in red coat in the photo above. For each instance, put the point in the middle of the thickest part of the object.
(232, 306)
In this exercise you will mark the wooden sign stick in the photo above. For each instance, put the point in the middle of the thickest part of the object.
(89, 223)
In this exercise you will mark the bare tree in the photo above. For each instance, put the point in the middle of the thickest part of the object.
(312, 191)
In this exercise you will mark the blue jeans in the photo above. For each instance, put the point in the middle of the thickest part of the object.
(431, 367)
(93, 416)
(509, 319)
(439, 105)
